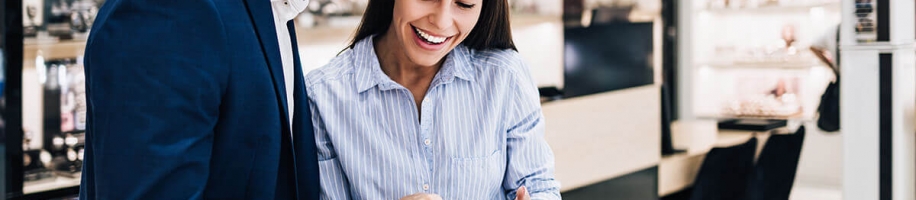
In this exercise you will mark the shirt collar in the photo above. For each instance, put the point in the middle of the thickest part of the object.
(458, 64)
(289, 9)
(368, 71)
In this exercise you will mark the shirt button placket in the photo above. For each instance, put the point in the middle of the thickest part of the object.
(425, 124)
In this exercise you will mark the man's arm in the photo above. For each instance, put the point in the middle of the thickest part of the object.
(155, 77)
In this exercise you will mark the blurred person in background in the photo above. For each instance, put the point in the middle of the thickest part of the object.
(197, 99)
(825, 48)
(431, 100)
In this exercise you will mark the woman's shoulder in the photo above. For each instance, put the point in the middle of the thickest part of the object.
(507, 60)
(505, 66)
(335, 69)
(501, 57)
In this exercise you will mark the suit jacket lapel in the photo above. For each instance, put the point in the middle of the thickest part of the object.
(304, 149)
(262, 16)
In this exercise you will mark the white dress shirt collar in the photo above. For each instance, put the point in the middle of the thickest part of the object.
(283, 12)
(289, 9)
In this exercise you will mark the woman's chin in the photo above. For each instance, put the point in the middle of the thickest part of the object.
(427, 60)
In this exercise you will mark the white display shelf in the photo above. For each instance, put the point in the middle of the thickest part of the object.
(800, 116)
(57, 183)
(774, 9)
(54, 50)
(761, 65)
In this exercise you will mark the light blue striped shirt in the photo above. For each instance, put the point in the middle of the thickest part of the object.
(480, 136)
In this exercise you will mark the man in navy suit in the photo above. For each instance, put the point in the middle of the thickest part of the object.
(197, 99)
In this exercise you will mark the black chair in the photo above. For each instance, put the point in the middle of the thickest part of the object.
(776, 167)
(725, 173)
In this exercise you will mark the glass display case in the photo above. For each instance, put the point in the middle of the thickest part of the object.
(46, 136)
(866, 24)
(751, 58)
(758, 91)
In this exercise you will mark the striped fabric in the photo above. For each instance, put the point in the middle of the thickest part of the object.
(479, 133)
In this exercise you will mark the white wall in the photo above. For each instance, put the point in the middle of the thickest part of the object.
(541, 45)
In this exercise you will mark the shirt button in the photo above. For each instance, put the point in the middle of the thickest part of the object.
(425, 186)
(427, 142)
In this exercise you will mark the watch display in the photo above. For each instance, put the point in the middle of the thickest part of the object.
(57, 140)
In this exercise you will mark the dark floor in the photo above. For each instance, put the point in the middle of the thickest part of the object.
(682, 195)
(635, 186)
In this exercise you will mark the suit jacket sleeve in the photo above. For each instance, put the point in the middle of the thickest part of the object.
(155, 78)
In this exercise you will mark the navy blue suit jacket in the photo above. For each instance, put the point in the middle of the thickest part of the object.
(187, 101)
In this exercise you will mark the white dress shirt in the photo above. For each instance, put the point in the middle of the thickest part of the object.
(284, 11)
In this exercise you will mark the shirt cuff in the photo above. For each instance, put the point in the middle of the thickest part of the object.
(545, 196)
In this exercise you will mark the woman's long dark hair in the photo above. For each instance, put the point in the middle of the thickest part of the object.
(492, 30)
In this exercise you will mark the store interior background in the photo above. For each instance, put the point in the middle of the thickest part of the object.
(703, 56)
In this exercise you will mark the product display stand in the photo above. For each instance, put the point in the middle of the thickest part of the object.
(43, 96)
(742, 59)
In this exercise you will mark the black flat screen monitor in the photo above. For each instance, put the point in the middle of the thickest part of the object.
(606, 57)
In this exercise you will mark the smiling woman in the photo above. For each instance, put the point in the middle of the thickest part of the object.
(431, 101)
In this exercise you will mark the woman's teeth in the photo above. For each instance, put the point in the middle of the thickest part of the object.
(430, 38)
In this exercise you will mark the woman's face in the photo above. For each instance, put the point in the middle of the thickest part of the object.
(426, 30)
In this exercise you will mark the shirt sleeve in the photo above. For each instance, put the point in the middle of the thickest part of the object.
(530, 159)
(334, 183)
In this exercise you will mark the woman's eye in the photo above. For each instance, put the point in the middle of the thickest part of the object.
(464, 5)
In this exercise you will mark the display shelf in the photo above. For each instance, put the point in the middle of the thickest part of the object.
(762, 91)
(57, 183)
(62, 54)
(761, 65)
(800, 116)
(736, 53)
(53, 50)
(774, 9)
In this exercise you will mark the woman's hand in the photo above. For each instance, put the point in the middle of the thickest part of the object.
(522, 194)
(422, 196)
